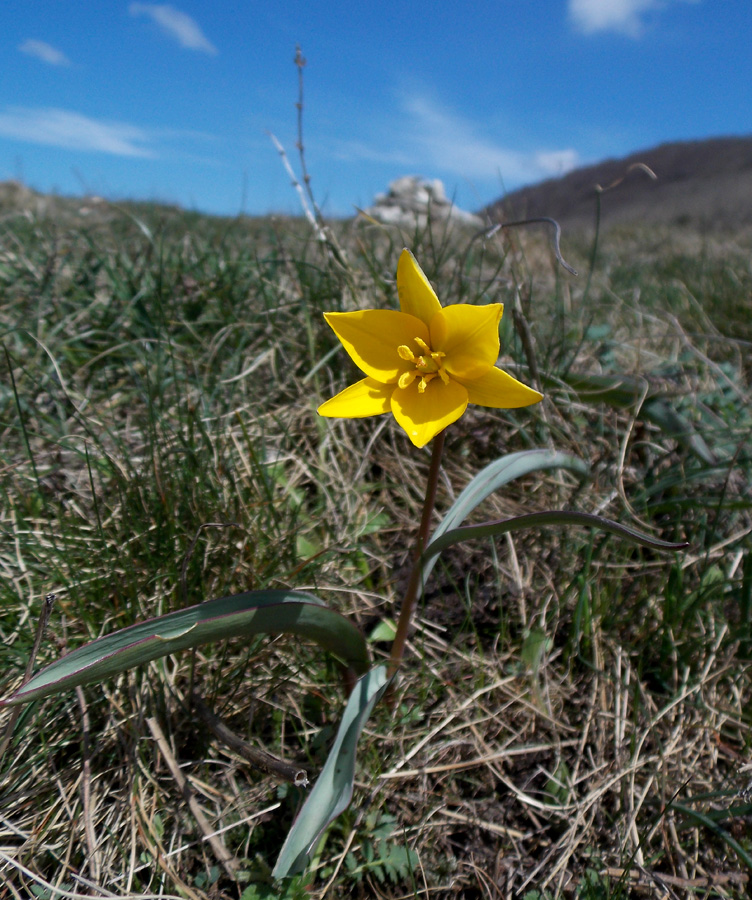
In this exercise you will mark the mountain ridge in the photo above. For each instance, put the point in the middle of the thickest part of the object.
(706, 184)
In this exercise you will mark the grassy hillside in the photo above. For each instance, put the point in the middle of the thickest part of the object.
(572, 718)
(705, 185)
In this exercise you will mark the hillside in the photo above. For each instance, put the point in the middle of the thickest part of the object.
(704, 184)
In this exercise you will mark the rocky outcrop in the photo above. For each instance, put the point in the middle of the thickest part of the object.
(412, 200)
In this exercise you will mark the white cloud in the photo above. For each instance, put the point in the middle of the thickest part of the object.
(435, 140)
(557, 162)
(175, 24)
(73, 131)
(624, 16)
(46, 52)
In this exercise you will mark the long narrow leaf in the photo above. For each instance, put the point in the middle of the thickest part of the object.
(619, 391)
(662, 414)
(333, 789)
(253, 612)
(494, 476)
(549, 517)
(625, 391)
(697, 816)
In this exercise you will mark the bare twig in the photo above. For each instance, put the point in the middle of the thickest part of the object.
(258, 758)
(308, 212)
(311, 209)
(545, 220)
(300, 62)
(91, 838)
(635, 167)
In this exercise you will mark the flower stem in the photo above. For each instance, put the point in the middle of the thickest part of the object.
(410, 600)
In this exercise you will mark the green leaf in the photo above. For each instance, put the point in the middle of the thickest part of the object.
(549, 517)
(662, 414)
(712, 825)
(533, 649)
(620, 391)
(558, 789)
(625, 391)
(333, 789)
(490, 479)
(385, 630)
(253, 612)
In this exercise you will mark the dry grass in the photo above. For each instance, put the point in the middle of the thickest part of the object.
(572, 719)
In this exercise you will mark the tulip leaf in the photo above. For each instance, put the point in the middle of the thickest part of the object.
(627, 391)
(333, 789)
(254, 612)
(494, 476)
(549, 517)
(618, 391)
(672, 423)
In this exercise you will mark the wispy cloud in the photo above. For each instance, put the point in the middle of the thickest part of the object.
(176, 24)
(624, 16)
(44, 51)
(436, 140)
(557, 162)
(73, 131)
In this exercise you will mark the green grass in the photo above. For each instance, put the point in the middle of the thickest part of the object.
(573, 713)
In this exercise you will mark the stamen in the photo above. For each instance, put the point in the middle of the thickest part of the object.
(427, 366)
(425, 381)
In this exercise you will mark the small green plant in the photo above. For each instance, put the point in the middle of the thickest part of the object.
(387, 861)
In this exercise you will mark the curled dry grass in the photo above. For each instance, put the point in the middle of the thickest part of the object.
(572, 718)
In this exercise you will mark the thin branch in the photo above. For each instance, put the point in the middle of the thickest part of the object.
(93, 854)
(258, 758)
(296, 184)
(635, 167)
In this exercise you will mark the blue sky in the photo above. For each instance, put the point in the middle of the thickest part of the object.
(174, 102)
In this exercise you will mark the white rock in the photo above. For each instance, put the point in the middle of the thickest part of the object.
(412, 200)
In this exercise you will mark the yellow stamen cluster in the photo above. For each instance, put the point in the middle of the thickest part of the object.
(428, 365)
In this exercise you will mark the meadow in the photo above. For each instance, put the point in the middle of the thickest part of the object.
(572, 717)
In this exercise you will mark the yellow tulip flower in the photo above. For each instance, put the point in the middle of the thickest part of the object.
(425, 363)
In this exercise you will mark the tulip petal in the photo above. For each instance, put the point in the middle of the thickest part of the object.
(424, 415)
(372, 336)
(469, 336)
(416, 296)
(364, 398)
(498, 389)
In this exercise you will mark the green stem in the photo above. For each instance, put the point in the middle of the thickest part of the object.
(410, 600)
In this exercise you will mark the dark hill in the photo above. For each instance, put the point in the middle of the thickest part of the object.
(703, 184)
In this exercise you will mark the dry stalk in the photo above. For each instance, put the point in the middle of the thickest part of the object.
(224, 856)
